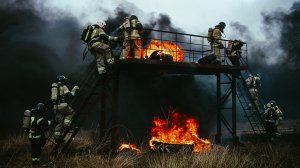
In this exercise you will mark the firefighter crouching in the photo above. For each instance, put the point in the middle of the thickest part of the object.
(131, 30)
(37, 126)
(60, 95)
(272, 117)
(100, 48)
(234, 51)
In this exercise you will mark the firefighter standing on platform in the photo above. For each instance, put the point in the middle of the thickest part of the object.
(253, 83)
(100, 48)
(216, 44)
(37, 126)
(132, 44)
(60, 95)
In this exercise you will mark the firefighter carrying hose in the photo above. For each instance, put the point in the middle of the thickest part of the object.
(60, 96)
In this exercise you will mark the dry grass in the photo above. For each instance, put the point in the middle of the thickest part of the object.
(14, 152)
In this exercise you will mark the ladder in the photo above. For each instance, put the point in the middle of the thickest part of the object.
(82, 102)
(253, 115)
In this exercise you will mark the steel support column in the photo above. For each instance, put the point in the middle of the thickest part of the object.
(233, 94)
(103, 107)
(219, 131)
(115, 104)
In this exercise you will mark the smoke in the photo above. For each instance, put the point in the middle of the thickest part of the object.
(290, 37)
(33, 51)
(37, 43)
(276, 58)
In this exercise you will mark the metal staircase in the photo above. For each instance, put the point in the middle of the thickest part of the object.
(243, 95)
(230, 81)
(253, 115)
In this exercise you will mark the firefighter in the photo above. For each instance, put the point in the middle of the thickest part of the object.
(100, 48)
(37, 126)
(216, 44)
(253, 83)
(272, 117)
(131, 30)
(60, 96)
(234, 51)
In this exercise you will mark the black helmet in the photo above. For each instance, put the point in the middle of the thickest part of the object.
(222, 24)
(40, 109)
(273, 103)
(61, 78)
(133, 17)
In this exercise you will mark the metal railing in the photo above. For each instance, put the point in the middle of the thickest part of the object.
(194, 47)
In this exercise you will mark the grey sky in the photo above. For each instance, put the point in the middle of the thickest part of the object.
(193, 16)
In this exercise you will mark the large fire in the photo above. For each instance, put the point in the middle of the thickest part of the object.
(178, 129)
(168, 48)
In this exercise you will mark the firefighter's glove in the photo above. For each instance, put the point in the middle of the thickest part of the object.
(76, 87)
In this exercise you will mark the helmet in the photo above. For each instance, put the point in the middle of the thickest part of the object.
(40, 108)
(250, 75)
(133, 17)
(222, 24)
(101, 24)
(61, 78)
(272, 102)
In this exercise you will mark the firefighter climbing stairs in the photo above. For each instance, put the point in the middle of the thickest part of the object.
(251, 112)
(82, 102)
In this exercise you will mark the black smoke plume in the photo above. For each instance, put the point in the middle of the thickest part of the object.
(277, 58)
(33, 51)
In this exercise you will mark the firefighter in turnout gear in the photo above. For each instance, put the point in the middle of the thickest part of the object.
(132, 44)
(234, 51)
(272, 117)
(253, 83)
(37, 126)
(216, 43)
(60, 96)
(100, 48)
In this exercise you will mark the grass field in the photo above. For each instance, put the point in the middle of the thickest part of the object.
(285, 152)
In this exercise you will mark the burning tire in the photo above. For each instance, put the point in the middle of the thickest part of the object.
(160, 55)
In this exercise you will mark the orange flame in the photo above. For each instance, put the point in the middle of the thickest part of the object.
(178, 129)
(129, 146)
(167, 48)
